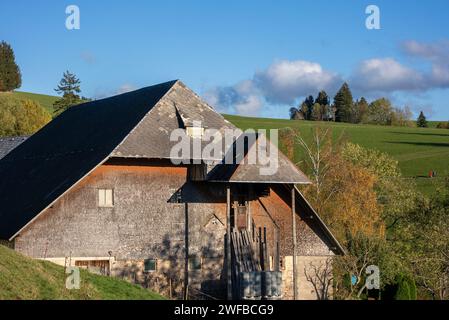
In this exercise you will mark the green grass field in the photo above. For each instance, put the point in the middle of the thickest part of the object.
(418, 150)
(44, 100)
(22, 278)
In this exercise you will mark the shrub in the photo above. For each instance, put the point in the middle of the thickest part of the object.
(405, 288)
(443, 125)
(21, 116)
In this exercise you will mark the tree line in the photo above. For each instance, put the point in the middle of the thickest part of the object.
(345, 109)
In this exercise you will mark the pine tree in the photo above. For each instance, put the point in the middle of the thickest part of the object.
(308, 102)
(324, 102)
(421, 122)
(69, 87)
(10, 76)
(69, 84)
(343, 104)
(322, 98)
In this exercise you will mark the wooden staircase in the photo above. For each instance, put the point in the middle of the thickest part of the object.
(251, 275)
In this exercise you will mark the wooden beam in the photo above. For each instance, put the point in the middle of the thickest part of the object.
(248, 216)
(186, 243)
(295, 276)
(228, 243)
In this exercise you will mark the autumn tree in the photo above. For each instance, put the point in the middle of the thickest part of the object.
(380, 112)
(21, 117)
(324, 106)
(338, 181)
(359, 111)
(402, 117)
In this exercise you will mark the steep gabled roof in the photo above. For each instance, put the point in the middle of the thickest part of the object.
(51, 161)
(179, 109)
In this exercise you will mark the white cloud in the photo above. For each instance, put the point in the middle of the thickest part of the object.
(388, 75)
(242, 98)
(385, 75)
(437, 53)
(250, 106)
(285, 81)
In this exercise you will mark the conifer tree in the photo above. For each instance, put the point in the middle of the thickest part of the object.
(69, 87)
(10, 76)
(422, 121)
(343, 104)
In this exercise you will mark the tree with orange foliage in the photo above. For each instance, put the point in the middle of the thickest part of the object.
(343, 192)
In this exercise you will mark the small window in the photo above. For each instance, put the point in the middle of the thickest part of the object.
(105, 198)
(195, 132)
(194, 263)
(150, 265)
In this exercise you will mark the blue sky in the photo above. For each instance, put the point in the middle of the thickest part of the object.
(246, 57)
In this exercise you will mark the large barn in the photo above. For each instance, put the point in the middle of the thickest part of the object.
(98, 188)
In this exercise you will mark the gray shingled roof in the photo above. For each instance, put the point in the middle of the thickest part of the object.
(249, 170)
(9, 143)
(178, 109)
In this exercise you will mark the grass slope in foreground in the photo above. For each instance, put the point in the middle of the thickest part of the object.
(418, 150)
(22, 278)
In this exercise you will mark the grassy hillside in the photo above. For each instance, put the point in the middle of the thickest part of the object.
(44, 100)
(22, 278)
(418, 150)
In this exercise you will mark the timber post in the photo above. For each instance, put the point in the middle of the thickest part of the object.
(295, 276)
(228, 243)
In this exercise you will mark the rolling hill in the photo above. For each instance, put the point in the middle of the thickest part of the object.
(22, 278)
(45, 101)
(418, 150)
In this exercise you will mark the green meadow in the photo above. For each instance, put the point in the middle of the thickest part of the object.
(23, 278)
(418, 150)
(45, 101)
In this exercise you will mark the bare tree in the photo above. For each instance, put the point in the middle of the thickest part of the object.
(321, 277)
